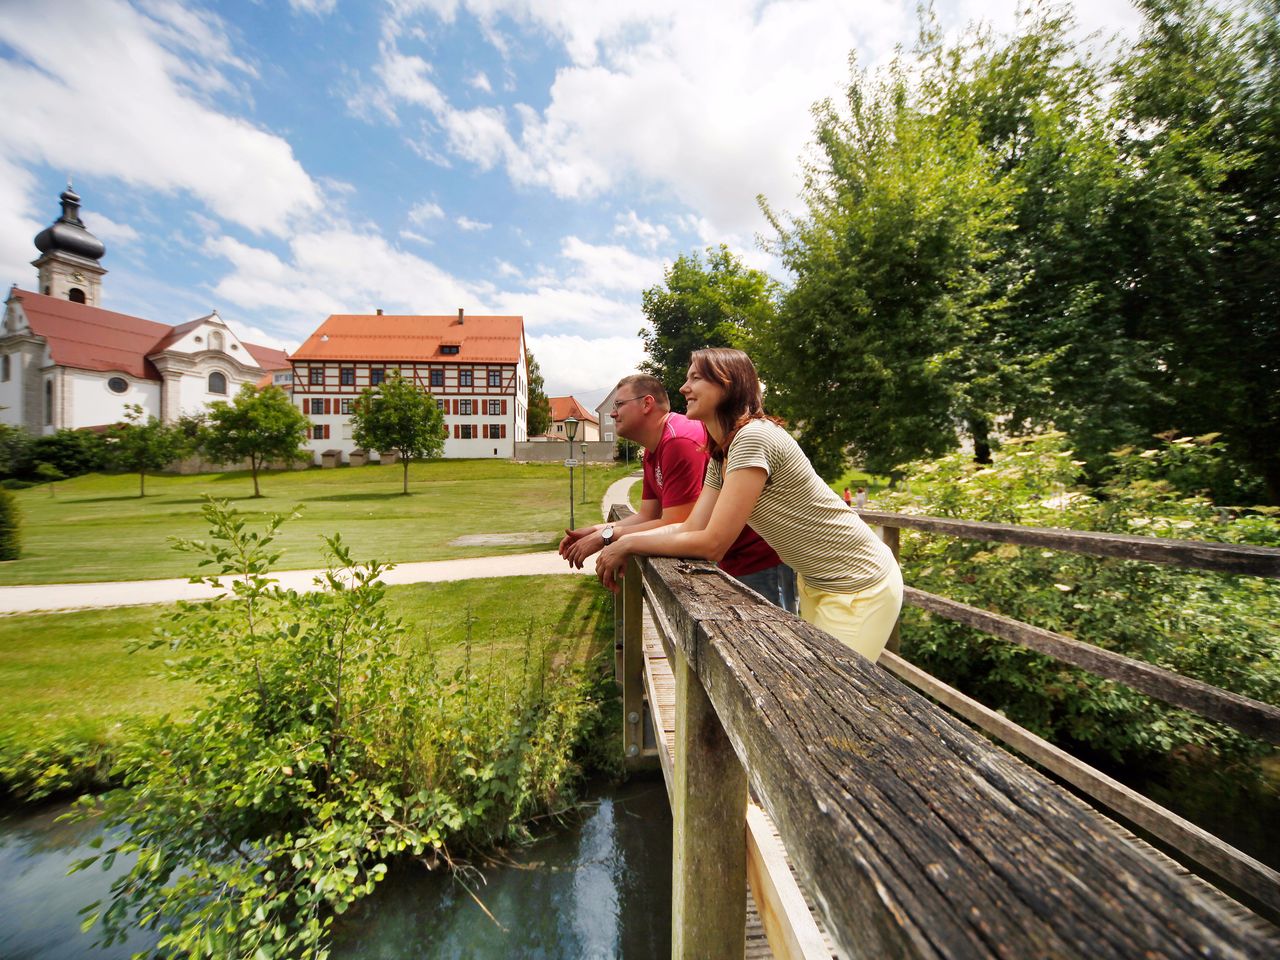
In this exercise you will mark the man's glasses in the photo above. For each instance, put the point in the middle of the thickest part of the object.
(618, 403)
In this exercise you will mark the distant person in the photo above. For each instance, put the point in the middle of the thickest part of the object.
(675, 463)
(848, 581)
(848, 498)
(861, 500)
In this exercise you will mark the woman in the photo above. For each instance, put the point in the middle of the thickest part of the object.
(848, 581)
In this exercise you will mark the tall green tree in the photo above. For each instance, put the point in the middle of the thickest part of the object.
(890, 334)
(538, 416)
(1200, 99)
(258, 426)
(699, 305)
(398, 416)
(144, 443)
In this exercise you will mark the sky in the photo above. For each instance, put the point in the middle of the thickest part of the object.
(283, 160)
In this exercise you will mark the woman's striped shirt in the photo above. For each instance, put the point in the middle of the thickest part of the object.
(802, 518)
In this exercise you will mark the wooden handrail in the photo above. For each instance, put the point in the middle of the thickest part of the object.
(914, 835)
(1253, 717)
(1219, 557)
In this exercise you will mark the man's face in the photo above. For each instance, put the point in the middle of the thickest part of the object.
(629, 412)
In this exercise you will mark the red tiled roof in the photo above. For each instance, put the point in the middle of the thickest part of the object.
(409, 338)
(564, 407)
(90, 338)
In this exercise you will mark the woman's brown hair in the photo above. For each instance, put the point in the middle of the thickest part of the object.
(734, 371)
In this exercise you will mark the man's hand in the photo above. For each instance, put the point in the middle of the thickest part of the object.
(611, 564)
(571, 544)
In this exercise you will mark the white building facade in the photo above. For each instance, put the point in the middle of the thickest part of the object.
(65, 362)
(474, 367)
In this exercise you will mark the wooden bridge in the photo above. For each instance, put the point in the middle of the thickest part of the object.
(823, 808)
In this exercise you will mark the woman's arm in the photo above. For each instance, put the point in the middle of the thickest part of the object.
(711, 529)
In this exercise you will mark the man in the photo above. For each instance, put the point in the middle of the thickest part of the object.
(675, 461)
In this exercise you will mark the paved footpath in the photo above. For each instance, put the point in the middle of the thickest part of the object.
(71, 596)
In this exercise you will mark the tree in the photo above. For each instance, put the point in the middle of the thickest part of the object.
(146, 444)
(697, 306)
(890, 335)
(398, 416)
(258, 426)
(538, 416)
(15, 449)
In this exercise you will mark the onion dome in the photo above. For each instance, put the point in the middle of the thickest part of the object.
(67, 234)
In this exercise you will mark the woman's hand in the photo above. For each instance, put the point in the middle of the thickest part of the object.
(612, 563)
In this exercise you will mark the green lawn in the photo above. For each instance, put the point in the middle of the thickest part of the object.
(69, 673)
(96, 527)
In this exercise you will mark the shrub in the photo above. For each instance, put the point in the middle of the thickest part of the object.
(13, 483)
(1212, 627)
(72, 452)
(10, 536)
(328, 746)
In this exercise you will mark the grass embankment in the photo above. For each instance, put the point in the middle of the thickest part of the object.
(68, 687)
(96, 528)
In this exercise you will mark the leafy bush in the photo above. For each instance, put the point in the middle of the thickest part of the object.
(12, 483)
(72, 452)
(15, 449)
(1213, 627)
(34, 769)
(10, 535)
(328, 746)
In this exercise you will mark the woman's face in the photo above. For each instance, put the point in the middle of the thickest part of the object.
(702, 396)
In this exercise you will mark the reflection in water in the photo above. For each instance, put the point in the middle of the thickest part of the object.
(39, 903)
(599, 888)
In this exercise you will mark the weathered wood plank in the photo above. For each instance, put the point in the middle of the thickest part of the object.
(915, 835)
(785, 916)
(1248, 716)
(1202, 847)
(709, 849)
(1219, 557)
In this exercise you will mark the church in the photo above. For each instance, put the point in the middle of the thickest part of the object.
(65, 362)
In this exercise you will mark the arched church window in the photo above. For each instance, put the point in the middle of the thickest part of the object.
(48, 401)
(215, 341)
(4, 368)
(75, 295)
(217, 383)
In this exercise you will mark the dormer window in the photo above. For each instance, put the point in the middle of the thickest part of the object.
(217, 383)
(449, 349)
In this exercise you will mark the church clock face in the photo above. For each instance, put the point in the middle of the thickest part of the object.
(78, 277)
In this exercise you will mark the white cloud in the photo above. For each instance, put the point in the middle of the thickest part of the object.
(416, 237)
(104, 228)
(481, 82)
(560, 356)
(425, 212)
(132, 103)
(471, 226)
(317, 8)
(650, 235)
(609, 267)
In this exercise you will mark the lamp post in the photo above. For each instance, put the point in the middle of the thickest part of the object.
(570, 431)
(584, 471)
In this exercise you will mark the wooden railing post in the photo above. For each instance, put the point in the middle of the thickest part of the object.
(892, 539)
(708, 812)
(632, 665)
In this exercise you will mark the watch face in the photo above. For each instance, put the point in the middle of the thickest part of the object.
(607, 534)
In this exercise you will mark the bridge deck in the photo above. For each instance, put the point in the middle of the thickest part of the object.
(660, 700)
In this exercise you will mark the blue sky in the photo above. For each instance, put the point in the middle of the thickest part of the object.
(282, 160)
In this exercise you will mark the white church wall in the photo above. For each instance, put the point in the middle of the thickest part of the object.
(90, 402)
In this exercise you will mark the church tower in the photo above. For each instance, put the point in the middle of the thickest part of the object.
(69, 255)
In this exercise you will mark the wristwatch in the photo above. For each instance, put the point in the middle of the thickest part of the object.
(607, 535)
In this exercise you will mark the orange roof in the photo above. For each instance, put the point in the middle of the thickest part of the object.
(564, 407)
(90, 338)
(410, 338)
